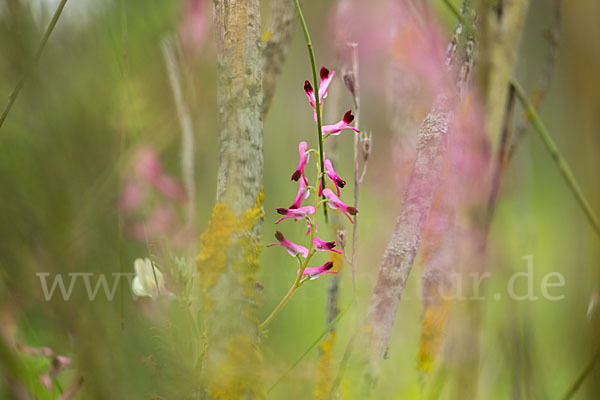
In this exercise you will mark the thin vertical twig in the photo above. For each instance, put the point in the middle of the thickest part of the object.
(185, 120)
(356, 97)
(13, 95)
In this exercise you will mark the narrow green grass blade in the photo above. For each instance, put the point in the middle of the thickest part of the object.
(558, 158)
(312, 346)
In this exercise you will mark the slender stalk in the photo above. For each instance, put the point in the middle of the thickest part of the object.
(558, 158)
(297, 283)
(312, 345)
(356, 97)
(584, 374)
(13, 95)
(311, 53)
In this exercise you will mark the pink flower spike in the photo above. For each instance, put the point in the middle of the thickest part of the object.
(336, 128)
(296, 213)
(326, 78)
(303, 193)
(314, 272)
(303, 156)
(335, 203)
(292, 248)
(337, 181)
(310, 92)
(321, 245)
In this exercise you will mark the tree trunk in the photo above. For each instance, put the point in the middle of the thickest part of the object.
(230, 246)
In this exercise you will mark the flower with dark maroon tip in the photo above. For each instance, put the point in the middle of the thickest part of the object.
(303, 156)
(296, 213)
(336, 128)
(326, 78)
(337, 181)
(303, 193)
(310, 92)
(321, 245)
(314, 272)
(335, 203)
(292, 248)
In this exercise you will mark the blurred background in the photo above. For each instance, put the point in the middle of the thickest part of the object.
(92, 149)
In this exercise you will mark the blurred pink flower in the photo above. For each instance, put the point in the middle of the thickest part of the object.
(170, 187)
(303, 159)
(161, 221)
(147, 164)
(131, 196)
(335, 203)
(292, 248)
(194, 26)
(336, 128)
(150, 198)
(314, 272)
(296, 213)
(321, 245)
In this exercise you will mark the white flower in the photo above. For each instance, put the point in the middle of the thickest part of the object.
(144, 283)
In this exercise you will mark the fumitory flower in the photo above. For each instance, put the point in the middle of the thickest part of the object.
(335, 203)
(292, 248)
(337, 181)
(303, 193)
(303, 159)
(336, 128)
(314, 272)
(296, 213)
(326, 77)
(322, 245)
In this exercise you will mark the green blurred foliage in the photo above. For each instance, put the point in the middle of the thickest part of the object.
(101, 90)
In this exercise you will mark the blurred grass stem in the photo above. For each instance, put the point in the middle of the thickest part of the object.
(556, 155)
(13, 95)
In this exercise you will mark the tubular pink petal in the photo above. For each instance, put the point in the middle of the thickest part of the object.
(336, 128)
(335, 203)
(303, 193)
(326, 78)
(310, 93)
(314, 272)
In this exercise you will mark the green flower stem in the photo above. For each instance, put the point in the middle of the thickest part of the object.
(558, 158)
(13, 95)
(299, 279)
(297, 283)
(311, 53)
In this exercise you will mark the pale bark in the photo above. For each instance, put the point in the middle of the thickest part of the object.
(228, 261)
(281, 27)
(239, 98)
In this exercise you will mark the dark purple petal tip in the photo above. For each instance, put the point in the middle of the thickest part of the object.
(307, 87)
(348, 117)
